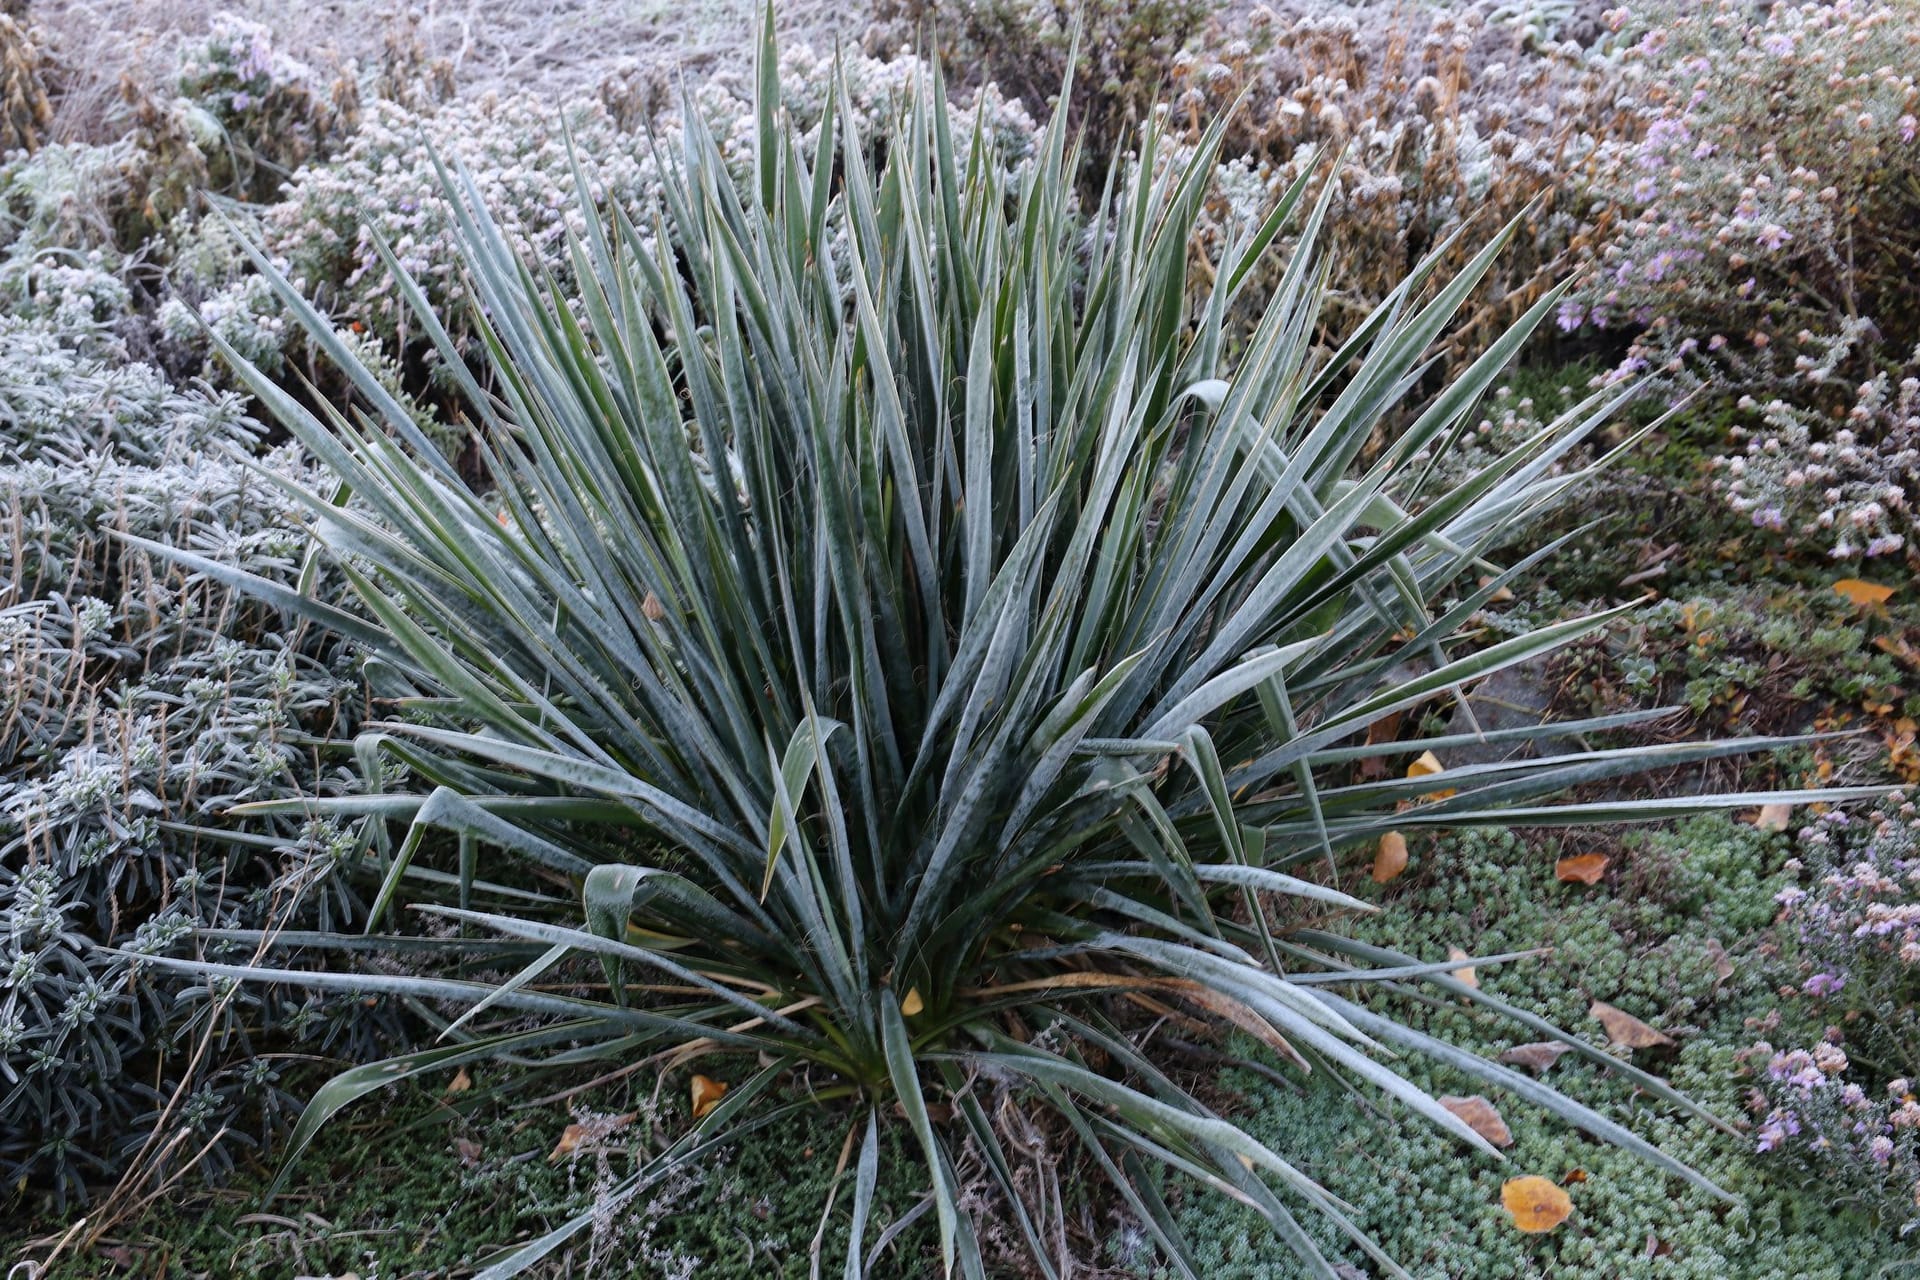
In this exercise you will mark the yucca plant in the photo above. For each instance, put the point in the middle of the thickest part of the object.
(908, 640)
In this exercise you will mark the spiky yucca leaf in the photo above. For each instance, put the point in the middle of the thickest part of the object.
(923, 638)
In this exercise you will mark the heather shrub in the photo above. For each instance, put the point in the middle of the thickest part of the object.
(66, 195)
(1837, 1098)
(258, 113)
(1441, 121)
(1754, 224)
(1841, 481)
(1764, 196)
(72, 292)
(1121, 50)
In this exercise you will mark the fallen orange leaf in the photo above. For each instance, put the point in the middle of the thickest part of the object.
(706, 1095)
(1582, 868)
(1481, 1118)
(1863, 593)
(1536, 1204)
(570, 1139)
(1465, 973)
(1382, 730)
(1897, 646)
(574, 1136)
(1425, 767)
(1391, 857)
(1626, 1030)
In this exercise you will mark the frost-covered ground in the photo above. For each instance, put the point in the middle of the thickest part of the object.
(549, 47)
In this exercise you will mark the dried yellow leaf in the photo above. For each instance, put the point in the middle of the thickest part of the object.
(1536, 1204)
(574, 1136)
(1464, 973)
(1390, 859)
(1584, 868)
(1538, 1056)
(913, 1004)
(706, 1095)
(1863, 593)
(1773, 817)
(1425, 767)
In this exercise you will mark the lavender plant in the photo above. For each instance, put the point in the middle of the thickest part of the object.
(136, 703)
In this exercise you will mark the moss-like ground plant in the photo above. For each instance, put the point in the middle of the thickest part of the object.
(912, 641)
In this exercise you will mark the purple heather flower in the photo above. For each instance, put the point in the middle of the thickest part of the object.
(1824, 984)
(1779, 1127)
(1570, 316)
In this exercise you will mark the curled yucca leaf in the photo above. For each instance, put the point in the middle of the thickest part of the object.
(921, 636)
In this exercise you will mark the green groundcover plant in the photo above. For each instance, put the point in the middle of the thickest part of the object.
(902, 631)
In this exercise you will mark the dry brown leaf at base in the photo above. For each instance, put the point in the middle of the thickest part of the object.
(1625, 1030)
(1583, 868)
(1537, 1205)
(1535, 1057)
(1481, 1117)
(1718, 958)
(460, 1082)
(1390, 858)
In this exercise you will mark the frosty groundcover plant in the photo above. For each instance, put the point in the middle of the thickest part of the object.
(902, 634)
